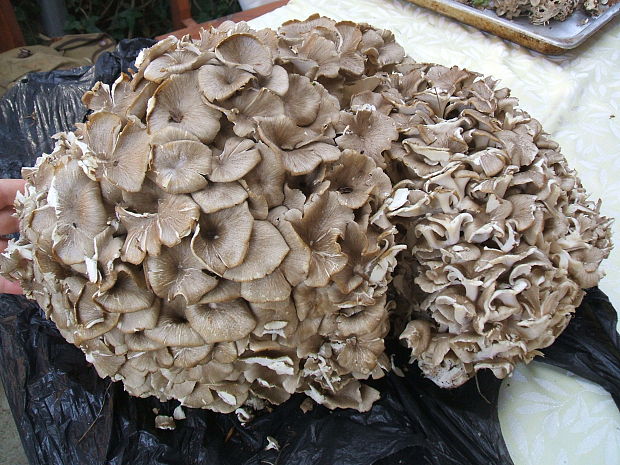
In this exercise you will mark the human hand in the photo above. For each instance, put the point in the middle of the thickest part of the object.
(9, 224)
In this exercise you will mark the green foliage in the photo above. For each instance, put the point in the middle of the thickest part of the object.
(25, 12)
(119, 18)
(204, 10)
(480, 3)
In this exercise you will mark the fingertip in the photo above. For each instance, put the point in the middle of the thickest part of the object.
(10, 287)
(8, 189)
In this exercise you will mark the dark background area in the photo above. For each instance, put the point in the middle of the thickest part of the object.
(118, 18)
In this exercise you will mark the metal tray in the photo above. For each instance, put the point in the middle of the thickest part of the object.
(553, 39)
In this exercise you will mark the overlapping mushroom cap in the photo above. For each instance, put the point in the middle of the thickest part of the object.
(224, 227)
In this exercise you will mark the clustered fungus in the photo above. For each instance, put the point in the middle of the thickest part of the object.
(247, 216)
(540, 12)
(501, 237)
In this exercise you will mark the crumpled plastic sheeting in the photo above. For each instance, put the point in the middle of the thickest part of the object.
(590, 345)
(66, 414)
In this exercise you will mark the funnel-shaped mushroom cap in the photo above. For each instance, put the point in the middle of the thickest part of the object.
(172, 62)
(360, 356)
(354, 177)
(417, 336)
(177, 271)
(246, 52)
(246, 107)
(101, 132)
(237, 159)
(295, 29)
(221, 322)
(323, 222)
(266, 250)
(369, 133)
(221, 82)
(351, 60)
(281, 133)
(298, 147)
(302, 100)
(140, 342)
(189, 357)
(179, 167)
(168, 218)
(114, 100)
(267, 178)
(127, 165)
(91, 319)
(173, 328)
(296, 264)
(123, 160)
(80, 213)
(140, 320)
(271, 288)
(360, 319)
(219, 196)
(125, 292)
(277, 81)
(222, 238)
(178, 103)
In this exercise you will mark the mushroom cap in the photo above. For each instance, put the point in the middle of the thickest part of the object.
(177, 102)
(173, 327)
(222, 238)
(266, 250)
(121, 160)
(247, 52)
(219, 196)
(179, 167)
(177, 271)
(80, 213)
(221, 322)
(125, 293)
(237, 159)
(221, 82)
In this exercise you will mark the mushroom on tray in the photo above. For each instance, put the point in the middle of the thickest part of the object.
(250, 214)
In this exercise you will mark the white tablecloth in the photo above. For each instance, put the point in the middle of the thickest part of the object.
(548, 416)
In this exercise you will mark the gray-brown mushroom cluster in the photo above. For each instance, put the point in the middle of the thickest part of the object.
(224, 228)
(203, 237)
(501, 236)
(541, 12)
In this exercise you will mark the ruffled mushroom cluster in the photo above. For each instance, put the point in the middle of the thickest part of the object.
(224, 228)
(541, 12)
(501, 236)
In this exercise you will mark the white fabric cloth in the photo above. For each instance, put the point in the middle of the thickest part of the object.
(548, 416)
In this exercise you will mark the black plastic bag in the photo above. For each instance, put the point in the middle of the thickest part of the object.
(67, 415)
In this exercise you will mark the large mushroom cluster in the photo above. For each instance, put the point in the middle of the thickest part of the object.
(500, 234)
(203, 237)
(224, 228)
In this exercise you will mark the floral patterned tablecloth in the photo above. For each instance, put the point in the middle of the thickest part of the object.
(548, 416)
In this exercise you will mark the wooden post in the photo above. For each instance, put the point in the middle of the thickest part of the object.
(10, 32)
(181, 14)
